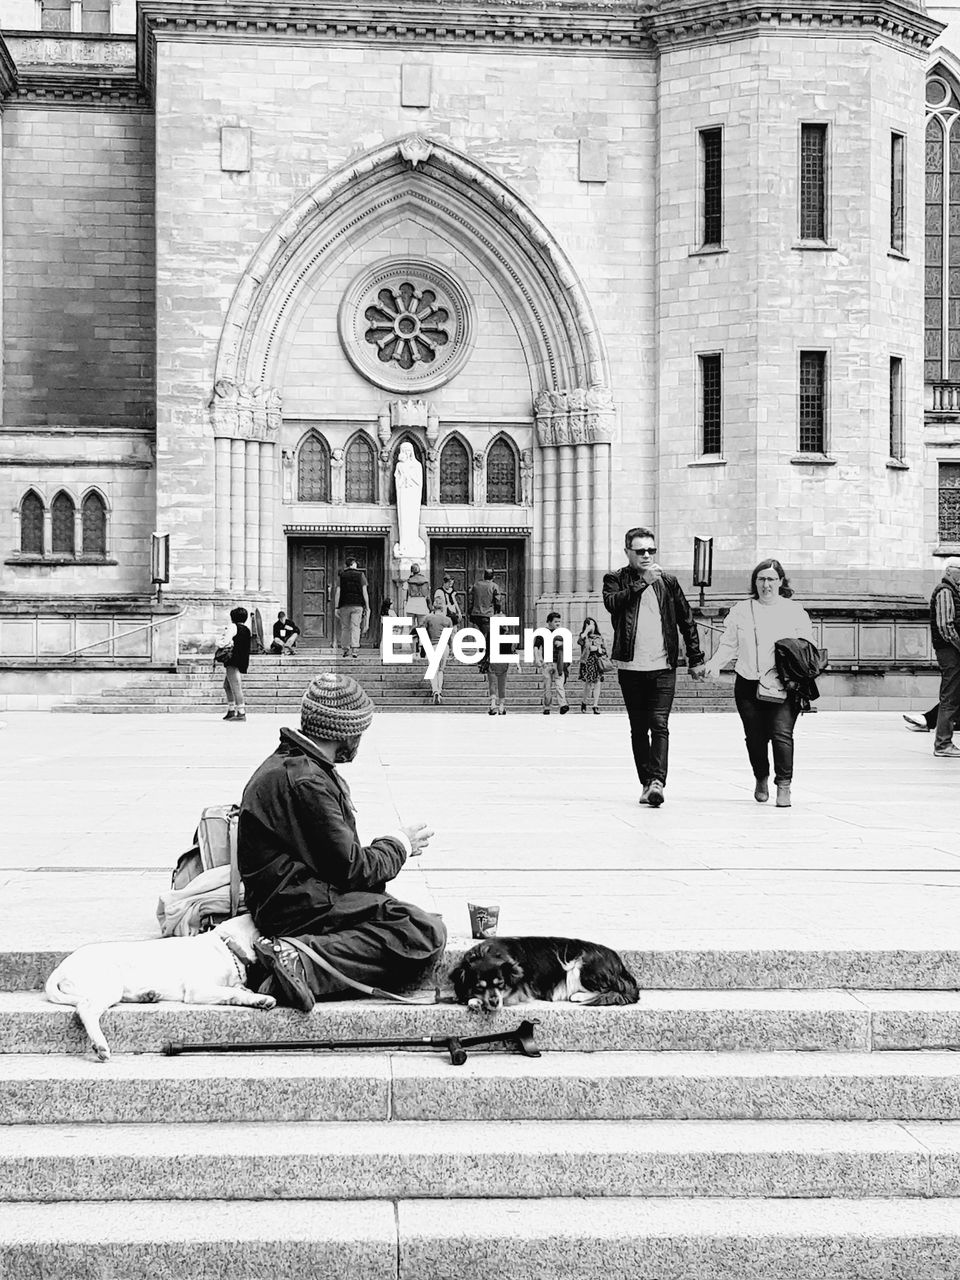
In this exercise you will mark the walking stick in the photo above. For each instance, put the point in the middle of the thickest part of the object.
(521, 1038)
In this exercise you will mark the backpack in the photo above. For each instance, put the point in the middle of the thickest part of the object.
(214, 845)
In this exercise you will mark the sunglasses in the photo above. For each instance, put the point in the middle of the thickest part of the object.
(644, 551)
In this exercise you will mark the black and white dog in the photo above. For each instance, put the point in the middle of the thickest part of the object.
(504, 971)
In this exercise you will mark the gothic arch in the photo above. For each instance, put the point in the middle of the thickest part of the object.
(361, 439)
(504, 440)
(313, 468)
(455, 438)
(477, 212)
(420, 450)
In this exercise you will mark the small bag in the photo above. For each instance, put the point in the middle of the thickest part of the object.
(606, 666)
(223, 653)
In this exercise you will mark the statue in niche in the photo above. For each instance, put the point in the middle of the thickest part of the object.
(526, 477)
(408, 474)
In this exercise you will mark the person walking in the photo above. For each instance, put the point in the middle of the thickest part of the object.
(416, 603)
(554, 669)
(450, 602)
(592, 653)
(925, 722)
(236, 634)
(944, 617)
(483, 604)
(315, 892)
(435, 623)
(352, 606)
(752, 628)
(648, 609)
(496, 673)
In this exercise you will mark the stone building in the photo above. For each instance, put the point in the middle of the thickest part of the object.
(602, 264)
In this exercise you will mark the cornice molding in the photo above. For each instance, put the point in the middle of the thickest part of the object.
(710, 20)
(8, 72)
(72, 86)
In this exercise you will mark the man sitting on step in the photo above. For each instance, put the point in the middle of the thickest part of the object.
(306, 875)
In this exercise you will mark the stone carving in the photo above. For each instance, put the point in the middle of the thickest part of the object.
(289, 461)
(245, 412)
(433, 474)
(408, 474)
(407, 325)
(416, 149)
(581, 415)
(337, 474)
(526, 477)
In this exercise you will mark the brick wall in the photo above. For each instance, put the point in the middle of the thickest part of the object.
(78, 267)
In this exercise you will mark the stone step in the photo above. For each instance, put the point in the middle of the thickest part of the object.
(398, 1160)
(658, 1239)
(725, 968)
(663, 1021)
(207, 1088)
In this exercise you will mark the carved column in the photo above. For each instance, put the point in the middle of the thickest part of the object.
(246, 422)
(574, 428)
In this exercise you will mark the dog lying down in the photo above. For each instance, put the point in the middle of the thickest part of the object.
(504, 971)
(210, 968)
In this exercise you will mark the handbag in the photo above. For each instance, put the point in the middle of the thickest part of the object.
(606, 666)
(223, 653)
(769, 688)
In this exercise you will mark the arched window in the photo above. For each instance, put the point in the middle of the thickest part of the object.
(31, 525)
(942, 291)
(313, 470)
(454, 472)
(501, 472)
(93, 518)
(63, 525)
(361, 471)
(418, 453)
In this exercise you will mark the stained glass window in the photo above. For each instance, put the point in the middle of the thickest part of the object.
(501, 473)
(313, 470)
(361, 471)
(93, 518)
(454, 472)
(63, 527)
(31, 525)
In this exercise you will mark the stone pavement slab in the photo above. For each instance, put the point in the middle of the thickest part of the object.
(538, 814)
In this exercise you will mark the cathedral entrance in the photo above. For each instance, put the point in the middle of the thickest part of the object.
(465, 559)
(313, 567)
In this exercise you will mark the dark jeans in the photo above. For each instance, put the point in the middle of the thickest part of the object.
(765, 722)
(949, 661)
(648, 697)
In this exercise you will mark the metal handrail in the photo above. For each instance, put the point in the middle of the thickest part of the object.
(145, 626)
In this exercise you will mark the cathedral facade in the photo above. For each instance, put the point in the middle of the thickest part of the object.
(690, 265)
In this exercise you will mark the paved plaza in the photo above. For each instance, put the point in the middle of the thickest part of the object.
(539, 815)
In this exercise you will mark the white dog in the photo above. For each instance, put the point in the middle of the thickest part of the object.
(207, 969)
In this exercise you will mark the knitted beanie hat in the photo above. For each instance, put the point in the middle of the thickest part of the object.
(334, 708)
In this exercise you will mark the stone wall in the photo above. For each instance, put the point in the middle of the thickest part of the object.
(78, 267)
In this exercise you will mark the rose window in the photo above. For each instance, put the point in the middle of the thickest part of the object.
(406, 325)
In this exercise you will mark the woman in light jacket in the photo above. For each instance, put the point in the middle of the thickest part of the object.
(753, 627)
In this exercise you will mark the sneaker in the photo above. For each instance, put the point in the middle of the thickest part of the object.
(949, 752)
(286, 966)
(783, 794)
(916, 723)
(546, 711)
(645, 794)
(596, 711)
(492, 711)
(503, 710)
(564, 710)
(231, 715)
(655, 796)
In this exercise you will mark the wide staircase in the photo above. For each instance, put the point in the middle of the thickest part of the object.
(758, 1116)
(275, 685)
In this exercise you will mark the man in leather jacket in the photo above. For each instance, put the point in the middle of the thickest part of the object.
(648, 609)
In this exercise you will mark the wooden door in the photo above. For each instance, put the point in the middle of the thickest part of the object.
(314, 566)
(465, 562)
